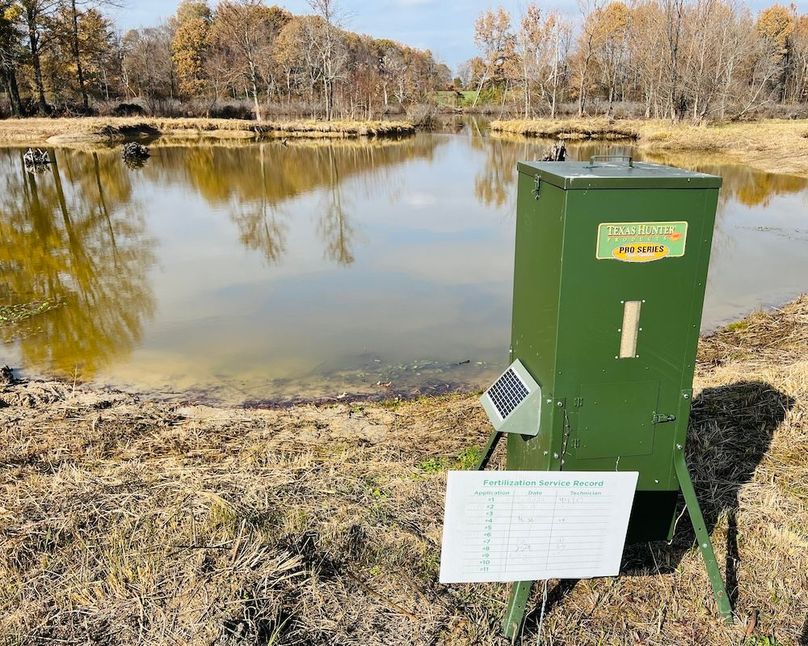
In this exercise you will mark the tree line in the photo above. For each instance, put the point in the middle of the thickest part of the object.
(698, 59)
(677, 59)
(240, 58)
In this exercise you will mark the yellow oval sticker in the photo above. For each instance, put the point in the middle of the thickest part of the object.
(641, 252)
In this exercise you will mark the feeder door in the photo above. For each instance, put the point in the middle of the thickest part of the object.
(616, 419)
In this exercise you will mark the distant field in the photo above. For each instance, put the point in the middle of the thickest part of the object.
(455, 99)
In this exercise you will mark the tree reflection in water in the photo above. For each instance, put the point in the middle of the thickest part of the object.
(253, 182)
(333, 226)
(748, 186)
(73, 236)
(76, 237)
(258, 220)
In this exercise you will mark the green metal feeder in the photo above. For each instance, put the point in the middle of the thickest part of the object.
(609, 279)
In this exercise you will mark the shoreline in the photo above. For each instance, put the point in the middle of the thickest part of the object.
(11, 375)
(382, 395)
(775, 146)
(772, 145)
(112, 130)
(134, 520)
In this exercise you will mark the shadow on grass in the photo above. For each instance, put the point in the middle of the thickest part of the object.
(731, 429)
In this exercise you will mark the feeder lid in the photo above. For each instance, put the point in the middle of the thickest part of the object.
(613, 173)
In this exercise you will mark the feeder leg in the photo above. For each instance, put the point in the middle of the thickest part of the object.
(515, 614)
(703, 538)
(488, 451)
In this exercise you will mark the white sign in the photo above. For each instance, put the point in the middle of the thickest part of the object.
(532, 525)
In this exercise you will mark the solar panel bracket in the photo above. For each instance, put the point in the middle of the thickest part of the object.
(522, 410)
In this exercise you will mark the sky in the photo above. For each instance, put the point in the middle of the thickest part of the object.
(444, 26)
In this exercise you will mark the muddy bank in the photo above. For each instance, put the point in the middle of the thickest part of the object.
(128, 521)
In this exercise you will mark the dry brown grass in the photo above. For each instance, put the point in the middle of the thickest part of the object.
(765, 338)
(124, 521)
(567, 129)
(770, 145)
(116, 129)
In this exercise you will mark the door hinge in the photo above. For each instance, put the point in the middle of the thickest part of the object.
(659, 418)
(537, 187)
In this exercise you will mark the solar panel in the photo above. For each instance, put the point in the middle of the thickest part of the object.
(507, 393)
(513, 402)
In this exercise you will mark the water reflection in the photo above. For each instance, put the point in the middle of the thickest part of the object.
(334, 226)
(751, 187)
(259, 219)
(254, 181)
(220, 173)
(73, 237)
(746, 185)
(495, 183)
(742, 184)
(259, 271)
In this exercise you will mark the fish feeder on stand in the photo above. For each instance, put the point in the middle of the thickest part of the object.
(609, 279)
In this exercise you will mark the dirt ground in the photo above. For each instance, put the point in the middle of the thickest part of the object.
(129, 521)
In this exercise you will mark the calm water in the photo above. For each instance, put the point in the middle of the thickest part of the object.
(256, 272)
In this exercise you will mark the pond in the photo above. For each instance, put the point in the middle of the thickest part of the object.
(252, 273)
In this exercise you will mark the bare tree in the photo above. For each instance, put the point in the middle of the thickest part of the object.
(75, 41)
(529, 40)
(331, 48)
(492, 35)
(558, 33)
(245, 30)
(674, 13)
(395, 68)
(147, 66)
(587, 46)
(35, 13)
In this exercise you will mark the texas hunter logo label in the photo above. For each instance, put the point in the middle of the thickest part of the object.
(641, 241)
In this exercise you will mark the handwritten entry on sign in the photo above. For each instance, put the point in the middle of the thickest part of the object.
(532, 525)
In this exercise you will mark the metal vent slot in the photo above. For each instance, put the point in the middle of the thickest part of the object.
(630, 329)
(507, 393)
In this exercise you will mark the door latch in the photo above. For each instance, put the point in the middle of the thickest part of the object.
(659, 418)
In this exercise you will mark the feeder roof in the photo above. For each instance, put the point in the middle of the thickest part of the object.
(574, 175)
